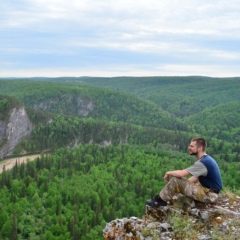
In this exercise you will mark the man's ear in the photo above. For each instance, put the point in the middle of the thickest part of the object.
(200, 148)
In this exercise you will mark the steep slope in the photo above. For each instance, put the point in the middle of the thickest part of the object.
(17, 122)
(14, 125)
(221, 122)
(65, 131)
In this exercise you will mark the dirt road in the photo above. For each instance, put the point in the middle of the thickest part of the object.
(9, 163)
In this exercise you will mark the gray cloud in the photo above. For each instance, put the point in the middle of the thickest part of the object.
(112, 38)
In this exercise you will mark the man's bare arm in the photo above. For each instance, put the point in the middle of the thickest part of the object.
(177, 173)
(193, 179)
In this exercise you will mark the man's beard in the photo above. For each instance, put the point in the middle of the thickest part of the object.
(193, 153)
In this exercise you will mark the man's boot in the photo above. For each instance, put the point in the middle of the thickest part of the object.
(156, 202)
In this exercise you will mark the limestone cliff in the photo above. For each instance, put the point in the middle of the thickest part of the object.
(73, 105)
(184, 219)
(13, 130)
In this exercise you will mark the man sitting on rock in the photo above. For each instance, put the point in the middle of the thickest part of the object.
(204, 184)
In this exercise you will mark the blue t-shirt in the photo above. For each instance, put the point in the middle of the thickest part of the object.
(211, 176)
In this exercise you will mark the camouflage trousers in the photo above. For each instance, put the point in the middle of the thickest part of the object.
(189, 189)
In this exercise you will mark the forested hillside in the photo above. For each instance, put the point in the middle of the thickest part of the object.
(111, 141)
(182, 96)
(85, 101)
(221, 122)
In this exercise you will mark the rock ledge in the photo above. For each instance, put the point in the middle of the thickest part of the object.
(183, 219)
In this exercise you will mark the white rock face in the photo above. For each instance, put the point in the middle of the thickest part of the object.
(12, 131)
(83, 107)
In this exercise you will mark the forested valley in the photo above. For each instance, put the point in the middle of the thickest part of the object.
(109, 142)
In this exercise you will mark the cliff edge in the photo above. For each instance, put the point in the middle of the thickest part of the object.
(13, 129)
(182, 219)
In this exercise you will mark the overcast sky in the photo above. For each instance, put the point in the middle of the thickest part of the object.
(119, 38)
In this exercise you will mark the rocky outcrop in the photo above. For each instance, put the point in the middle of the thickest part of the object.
(83, 107)
(13, 130)
(183, 219)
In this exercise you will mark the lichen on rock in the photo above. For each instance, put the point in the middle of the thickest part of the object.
(182, 219)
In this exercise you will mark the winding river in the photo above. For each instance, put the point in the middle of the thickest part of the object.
(10, 163)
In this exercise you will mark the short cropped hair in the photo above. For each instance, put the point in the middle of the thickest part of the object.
(200, 142)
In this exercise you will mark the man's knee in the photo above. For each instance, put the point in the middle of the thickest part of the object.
(176, 180)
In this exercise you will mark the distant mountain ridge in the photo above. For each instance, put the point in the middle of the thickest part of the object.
(181, 96)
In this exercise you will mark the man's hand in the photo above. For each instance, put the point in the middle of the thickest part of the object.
(166, 177)
(177, 173)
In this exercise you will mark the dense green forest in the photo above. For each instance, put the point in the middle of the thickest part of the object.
(73, 193)
(81, 101)
(182, 96)
(110, 140)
